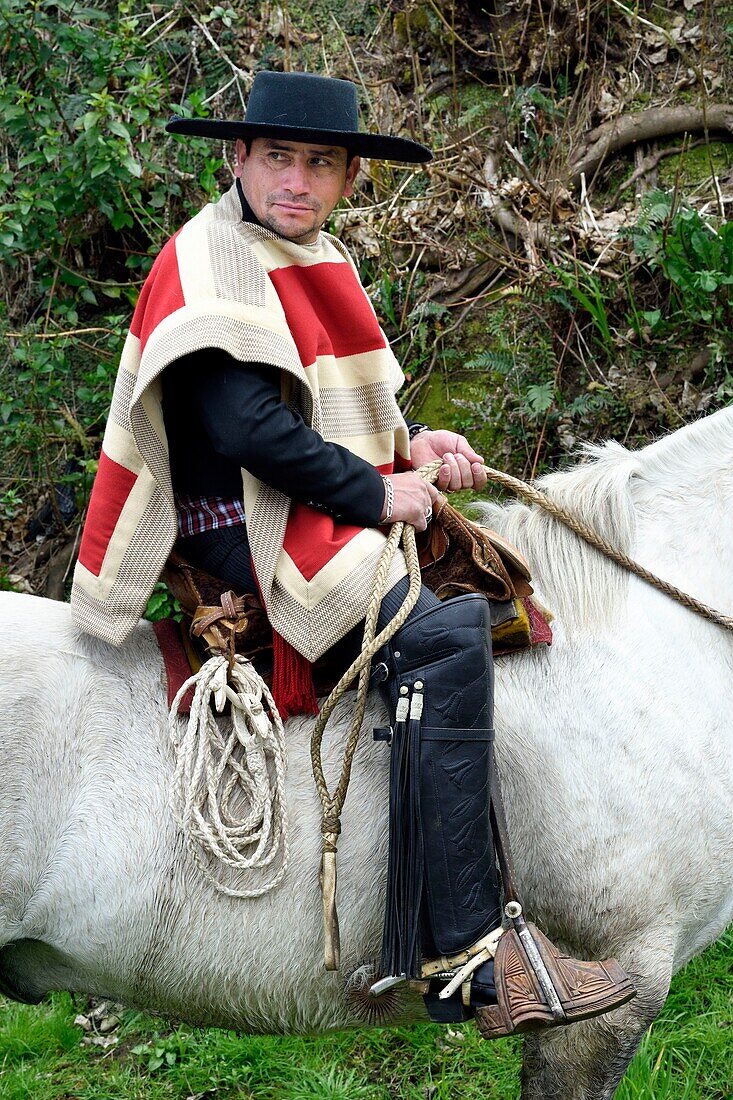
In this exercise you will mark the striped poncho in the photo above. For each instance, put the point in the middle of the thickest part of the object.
(224, 283)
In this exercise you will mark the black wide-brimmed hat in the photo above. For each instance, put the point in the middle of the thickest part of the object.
(304, 107)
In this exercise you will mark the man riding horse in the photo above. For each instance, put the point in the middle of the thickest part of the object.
(254, 423)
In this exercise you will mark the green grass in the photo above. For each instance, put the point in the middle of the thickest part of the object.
(688, 1055)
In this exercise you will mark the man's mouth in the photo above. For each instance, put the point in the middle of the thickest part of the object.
(294, 207)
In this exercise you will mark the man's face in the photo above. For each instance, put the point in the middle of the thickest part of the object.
(293, 186)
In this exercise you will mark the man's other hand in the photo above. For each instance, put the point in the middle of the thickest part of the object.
(462, 468)
(413, 500)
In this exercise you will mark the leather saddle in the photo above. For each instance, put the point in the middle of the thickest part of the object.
(456, 556)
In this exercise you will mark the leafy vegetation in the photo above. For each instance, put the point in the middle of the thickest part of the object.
(90, 186)
(696, 258)
(90, 189)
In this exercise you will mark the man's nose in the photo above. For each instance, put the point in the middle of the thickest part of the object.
(296, 178)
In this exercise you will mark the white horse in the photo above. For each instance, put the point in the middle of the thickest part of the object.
(615, 748)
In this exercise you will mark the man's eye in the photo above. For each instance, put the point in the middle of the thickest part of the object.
(320, 162)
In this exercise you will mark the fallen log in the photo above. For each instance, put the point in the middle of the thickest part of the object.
(59, 566)
(463, 285)
(655, 122)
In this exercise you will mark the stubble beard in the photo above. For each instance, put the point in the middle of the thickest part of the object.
(273, 222)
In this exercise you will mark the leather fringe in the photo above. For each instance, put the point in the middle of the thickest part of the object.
(401, 946)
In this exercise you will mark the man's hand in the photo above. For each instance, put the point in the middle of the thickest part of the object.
(462, 468)
(413, 499)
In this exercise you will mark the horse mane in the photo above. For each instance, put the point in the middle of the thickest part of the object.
(581, 586)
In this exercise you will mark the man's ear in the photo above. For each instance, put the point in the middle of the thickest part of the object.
(240, 150)
(351, 173)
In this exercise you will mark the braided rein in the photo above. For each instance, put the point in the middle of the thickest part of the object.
(400, 535)
(535, 496)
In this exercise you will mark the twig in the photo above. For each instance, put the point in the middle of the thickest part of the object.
(410, 281)
(243, 75)
(461, 143)
(654, 26)
(163, 34)
(57, 335)
(592, 268)
(51, 294)
(417, 77)
(99, 282)
(72, 558)
(377, 30)
(286, 35)
(517, 158)
(219, 91)
(140, 210)
(556, 383)
(586, 206)
(675, 413)
(156, 22)
(460, 176)
(489, 294)
(79, 432)
(354, 62)
(393, 201)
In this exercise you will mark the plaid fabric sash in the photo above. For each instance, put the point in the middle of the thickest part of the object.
(221, 282)
(198, 515)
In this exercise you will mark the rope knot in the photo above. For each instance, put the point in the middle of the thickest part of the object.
(330, 832)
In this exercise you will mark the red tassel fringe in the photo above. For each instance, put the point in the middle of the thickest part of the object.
(292, 680)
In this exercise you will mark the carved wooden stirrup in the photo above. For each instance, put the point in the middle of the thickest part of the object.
(585, 989)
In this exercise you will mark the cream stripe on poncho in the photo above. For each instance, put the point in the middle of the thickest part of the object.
(225, 283)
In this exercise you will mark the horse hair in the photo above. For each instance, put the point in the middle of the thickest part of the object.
(597, 493)
(581, 586)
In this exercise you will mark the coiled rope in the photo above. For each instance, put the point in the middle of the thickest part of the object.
(228, 791)
(227, 794)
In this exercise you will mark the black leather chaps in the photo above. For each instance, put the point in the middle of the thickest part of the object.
(443, 891)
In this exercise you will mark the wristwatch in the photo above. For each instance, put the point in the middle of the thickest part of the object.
(418, 429)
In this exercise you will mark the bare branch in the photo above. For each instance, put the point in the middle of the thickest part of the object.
(656, 122)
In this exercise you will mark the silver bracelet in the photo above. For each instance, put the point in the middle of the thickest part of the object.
(389, 489)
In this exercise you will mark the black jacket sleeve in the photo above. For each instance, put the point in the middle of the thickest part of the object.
(247, 421)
